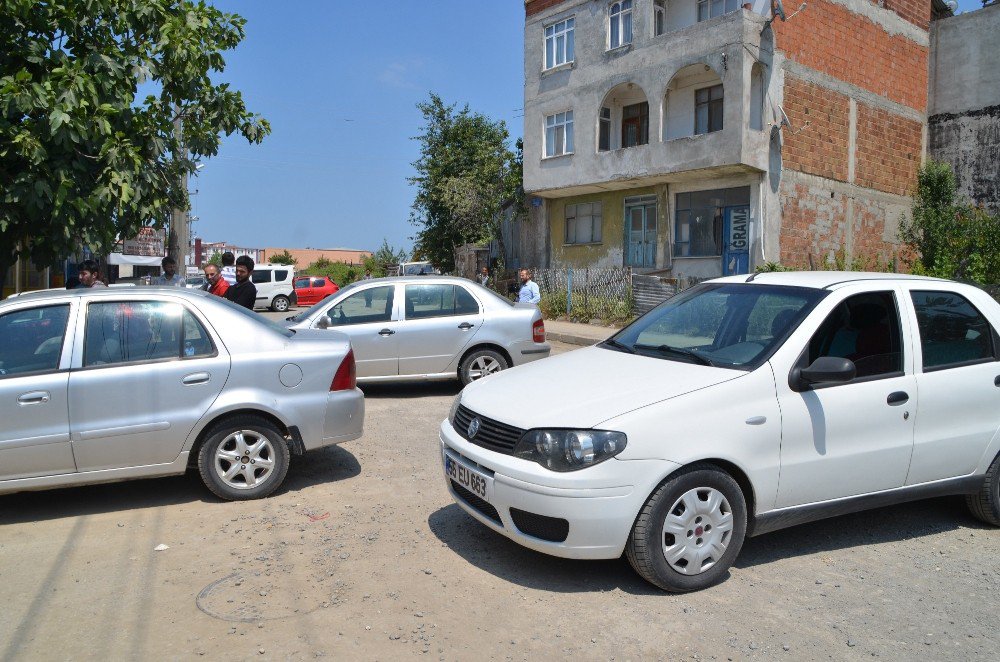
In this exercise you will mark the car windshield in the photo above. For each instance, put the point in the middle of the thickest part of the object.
(308, 312)
(731, 325)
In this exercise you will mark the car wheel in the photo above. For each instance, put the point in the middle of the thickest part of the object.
(279, 304)
(985, 504)
(243, 458)
(480, 363)
(690, 531)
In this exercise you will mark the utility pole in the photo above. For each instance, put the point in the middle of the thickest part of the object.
(179, 241)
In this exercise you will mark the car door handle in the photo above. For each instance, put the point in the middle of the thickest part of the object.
(196, 378)
(996, 380)
(897, 398)
(465, 326)
(33, 398)
(386, 332)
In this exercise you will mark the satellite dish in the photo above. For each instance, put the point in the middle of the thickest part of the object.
(778, 9)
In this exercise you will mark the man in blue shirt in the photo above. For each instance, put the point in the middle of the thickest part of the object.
(529, 289)
(170, 275)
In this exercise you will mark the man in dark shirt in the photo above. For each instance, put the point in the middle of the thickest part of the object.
(243, 292)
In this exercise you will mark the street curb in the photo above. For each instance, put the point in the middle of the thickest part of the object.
(572, 339)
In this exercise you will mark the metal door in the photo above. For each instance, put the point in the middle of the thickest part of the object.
(736, 234)
(640, 229)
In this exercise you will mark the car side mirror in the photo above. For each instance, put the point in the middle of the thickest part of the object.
(324, 322)
(828, 369)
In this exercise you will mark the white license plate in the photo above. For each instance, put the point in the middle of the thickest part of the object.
(470, 479)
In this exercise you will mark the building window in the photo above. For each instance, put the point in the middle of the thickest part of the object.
(559, 43)
(620, 24)
(559, 134)
(604, 130)
(700, 217)
(635, 124)
(583, 223)
(711, 8)
(659, 17)
(708, 110)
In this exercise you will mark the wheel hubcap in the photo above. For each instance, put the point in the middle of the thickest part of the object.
(482, 366)
(244, 460)
(697, 530)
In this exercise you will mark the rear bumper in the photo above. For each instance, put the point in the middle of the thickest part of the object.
(527, 351)
(344, 421)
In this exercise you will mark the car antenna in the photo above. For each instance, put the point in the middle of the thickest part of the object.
(752, 276)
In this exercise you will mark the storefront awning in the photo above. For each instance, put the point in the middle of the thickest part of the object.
(135, 260)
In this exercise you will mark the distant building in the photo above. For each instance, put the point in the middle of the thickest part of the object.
(698, 138)
(306, 256)
(204, 250)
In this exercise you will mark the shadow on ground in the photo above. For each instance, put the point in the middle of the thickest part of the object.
(495, 554)
(324, 465)
(415, 389)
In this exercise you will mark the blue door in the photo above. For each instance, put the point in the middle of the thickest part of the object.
(640, 231)
(736, 234)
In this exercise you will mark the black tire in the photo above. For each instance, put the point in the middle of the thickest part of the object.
(279, 304)
(221, 440)
(985, 504)
(480, 363)
(649, 539)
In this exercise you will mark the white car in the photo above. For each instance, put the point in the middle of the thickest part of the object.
(275, 285)
(740, 406)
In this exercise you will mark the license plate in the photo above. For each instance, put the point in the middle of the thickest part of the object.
(470, 479)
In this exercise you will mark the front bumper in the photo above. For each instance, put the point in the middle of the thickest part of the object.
(599, 503)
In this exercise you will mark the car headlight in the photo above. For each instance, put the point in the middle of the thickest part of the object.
(454, 408)
(569, 450)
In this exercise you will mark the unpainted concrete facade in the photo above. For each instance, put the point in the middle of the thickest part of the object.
(827, 141)
(964, 111)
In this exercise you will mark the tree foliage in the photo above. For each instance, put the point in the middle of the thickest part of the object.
(384, 257)
(951, 238)
(284, 257)
(83, 159)
(340, 273)
(464, 174)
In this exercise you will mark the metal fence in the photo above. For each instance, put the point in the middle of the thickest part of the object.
(583, 294)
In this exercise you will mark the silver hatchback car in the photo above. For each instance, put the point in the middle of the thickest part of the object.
(101, 385)
(429, 327)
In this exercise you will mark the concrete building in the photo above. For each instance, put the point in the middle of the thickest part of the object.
(697, 137)
(204, 250)
(964, 123)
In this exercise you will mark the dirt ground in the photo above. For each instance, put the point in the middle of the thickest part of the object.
(363, 555)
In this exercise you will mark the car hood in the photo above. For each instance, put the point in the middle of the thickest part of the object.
(585, 387)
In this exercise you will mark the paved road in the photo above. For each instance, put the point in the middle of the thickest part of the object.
(364, 556)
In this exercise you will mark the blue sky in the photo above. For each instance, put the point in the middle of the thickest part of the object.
(339, 82)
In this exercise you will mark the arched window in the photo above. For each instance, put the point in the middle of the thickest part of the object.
(620, 24)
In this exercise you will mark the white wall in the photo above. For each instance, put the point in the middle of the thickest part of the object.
(679, 104)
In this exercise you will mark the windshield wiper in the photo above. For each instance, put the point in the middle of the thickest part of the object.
(614, 343)
(667, 349)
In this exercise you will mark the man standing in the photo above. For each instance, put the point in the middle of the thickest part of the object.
(170, 275)
(89, 275)
(243, 292)
(228, 270)
(484, 277)
(529, 289)
(216, 284)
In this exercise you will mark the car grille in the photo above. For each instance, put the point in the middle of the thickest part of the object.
(553, 529)
(492, 435)
(473, 500)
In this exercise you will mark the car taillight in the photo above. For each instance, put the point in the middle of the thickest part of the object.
(347, 374)
(538, 331)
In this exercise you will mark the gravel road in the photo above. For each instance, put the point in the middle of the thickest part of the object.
(364, 556)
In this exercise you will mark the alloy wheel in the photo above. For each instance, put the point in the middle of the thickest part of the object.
(244, 459)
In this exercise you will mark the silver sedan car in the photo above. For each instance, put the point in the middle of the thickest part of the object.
(429, 327)
(101, 385)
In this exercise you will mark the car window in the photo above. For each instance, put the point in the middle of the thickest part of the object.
(300, 283)
(370, 305)
(438, 300)
(197, 342)
(318, 282)
(127, 331)
(865, 329)
(952, 331)
(280, 275)
(731, 325)
(31, 340)
(261, 276)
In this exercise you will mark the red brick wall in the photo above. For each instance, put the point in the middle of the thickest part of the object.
(532, 7)
(917, 12)
(829, 38)
(817, 141)
(888, 151)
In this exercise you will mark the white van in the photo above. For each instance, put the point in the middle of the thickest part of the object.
(274, 286)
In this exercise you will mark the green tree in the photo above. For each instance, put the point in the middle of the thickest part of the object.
(284, 257)
(950, 238)
(384, 257)
(464, 174)
(216, 259)
(83, 159)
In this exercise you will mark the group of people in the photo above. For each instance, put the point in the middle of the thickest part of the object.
(231, 282)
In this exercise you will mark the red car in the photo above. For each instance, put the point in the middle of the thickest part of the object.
(311, 289)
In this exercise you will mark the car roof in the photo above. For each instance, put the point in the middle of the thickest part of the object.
(106, 292)
(824, 279)
(429, 278)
